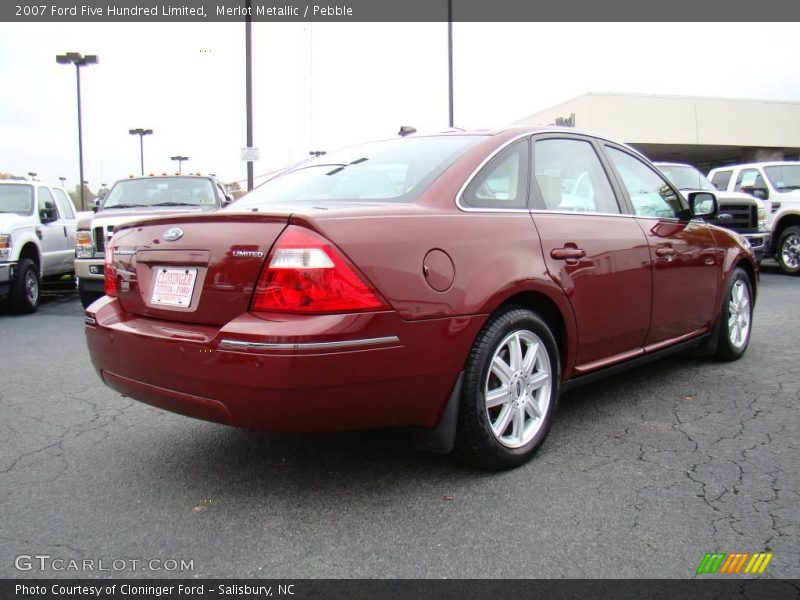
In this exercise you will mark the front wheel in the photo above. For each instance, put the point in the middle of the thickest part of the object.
(509, 393)
(736, 317)
(788, 250)
(25, 290)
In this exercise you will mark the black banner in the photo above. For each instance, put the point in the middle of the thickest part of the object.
(318, 589)
(398, 10)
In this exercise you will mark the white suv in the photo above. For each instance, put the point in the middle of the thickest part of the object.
(37, 239)
(779, 184)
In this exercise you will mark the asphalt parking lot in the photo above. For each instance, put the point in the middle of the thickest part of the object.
(642, 475)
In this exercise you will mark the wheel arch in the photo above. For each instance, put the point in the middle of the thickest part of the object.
(556, 312)
(31, 250)
(784, 221)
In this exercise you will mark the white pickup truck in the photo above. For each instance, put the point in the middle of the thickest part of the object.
(37, 240)
(777, 183)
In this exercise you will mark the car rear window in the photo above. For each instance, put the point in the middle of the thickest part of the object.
(15, 198)
(389, 171)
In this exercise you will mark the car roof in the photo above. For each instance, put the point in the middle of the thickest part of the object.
(770, 163)
(29, 182)
(661, 163)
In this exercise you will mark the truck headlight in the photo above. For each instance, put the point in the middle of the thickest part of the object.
(5, 247)
(83, 244)
(762, 219)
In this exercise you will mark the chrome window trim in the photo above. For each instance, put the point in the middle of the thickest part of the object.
(475, 172)
(541, 211)
(242, 344)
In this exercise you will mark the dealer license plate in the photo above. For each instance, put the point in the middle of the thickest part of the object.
(174, 287)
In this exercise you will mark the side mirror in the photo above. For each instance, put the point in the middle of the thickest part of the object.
(702, 204)
(228, 199)
(758, 192)
(49, 213)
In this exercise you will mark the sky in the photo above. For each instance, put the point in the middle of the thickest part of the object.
(323, 86)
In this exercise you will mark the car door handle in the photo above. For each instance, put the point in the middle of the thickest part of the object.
(567, 253)
(666, 252)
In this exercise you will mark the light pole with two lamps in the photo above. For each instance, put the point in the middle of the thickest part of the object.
(141, 133)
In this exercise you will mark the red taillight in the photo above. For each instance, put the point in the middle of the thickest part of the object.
(109, 271)
(306, 274)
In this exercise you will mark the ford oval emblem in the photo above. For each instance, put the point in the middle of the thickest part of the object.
(724, 217)
(173, 234)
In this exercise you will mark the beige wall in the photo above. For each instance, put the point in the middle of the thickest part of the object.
(680, 120)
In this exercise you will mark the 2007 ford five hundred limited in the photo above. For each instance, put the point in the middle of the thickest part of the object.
(453, 283)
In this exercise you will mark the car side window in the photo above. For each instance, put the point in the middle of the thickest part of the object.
(749, 178)
(65, 204)
(44, 197)
(721, 179)
(503, 182)
(570, 177)
(649, 192)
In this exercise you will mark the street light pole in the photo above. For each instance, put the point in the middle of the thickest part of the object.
(180, 160)
(248, 77)
(141, 133)
(450, 55)
(77, 59)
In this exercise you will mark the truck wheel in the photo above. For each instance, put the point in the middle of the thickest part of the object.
(788, 250)
(511, 384)
(86, 296)
(25, 292)
(736, 317)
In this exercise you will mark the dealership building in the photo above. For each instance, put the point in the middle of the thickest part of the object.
(705, 132)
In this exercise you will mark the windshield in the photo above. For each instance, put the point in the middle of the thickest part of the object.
(161, 191)
(389, 171)
(685, 177)
(784, 178)
(15, 198)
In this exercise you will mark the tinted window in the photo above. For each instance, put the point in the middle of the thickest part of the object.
(570, 177)
(649, 192)
(65, 204)
(503, 182)
(16, 199)
(396, 170)
(721, 179)
(45, 198)
(749, 178)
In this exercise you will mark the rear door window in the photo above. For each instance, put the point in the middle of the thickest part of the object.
(721, 179)
(64, 204)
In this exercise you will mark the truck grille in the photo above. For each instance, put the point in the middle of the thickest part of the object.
(101, 237)
(743, 217)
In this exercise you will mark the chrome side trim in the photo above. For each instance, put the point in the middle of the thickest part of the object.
(89, 320)
(242, 344)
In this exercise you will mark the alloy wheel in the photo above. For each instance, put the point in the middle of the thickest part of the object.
(739, 314)
(790, 251)
(518, 386)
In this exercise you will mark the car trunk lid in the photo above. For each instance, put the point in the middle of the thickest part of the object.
(197, 269)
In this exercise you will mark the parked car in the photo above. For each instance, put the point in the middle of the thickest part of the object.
(458, 300)
(779, 184)
(131, 199)
(740, 212)
(37, 237)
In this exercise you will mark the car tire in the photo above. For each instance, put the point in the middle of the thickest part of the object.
(736, 317)
(86, 296)
(26, 288)
(508, 396)
(788, 251)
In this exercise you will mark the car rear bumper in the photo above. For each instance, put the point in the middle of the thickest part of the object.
(285, 372)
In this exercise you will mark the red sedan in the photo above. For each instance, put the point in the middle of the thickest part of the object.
(453, 283)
